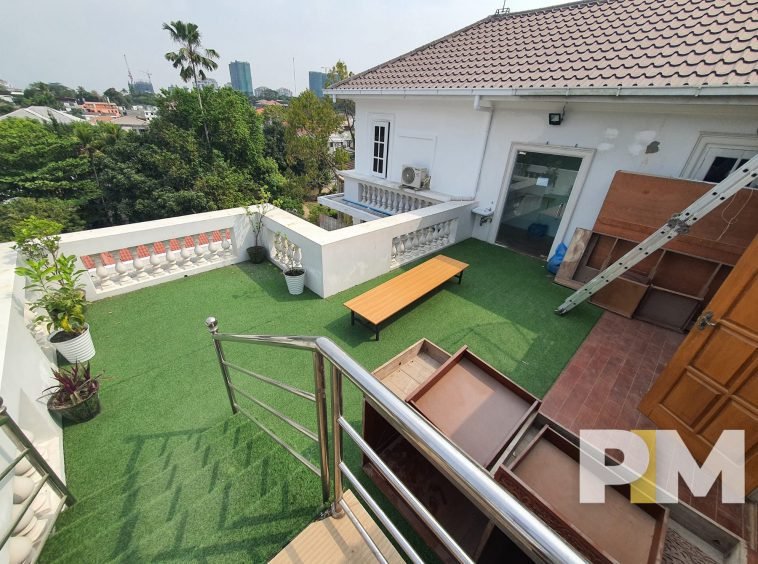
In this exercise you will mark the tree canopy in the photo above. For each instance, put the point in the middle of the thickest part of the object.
(208, 149)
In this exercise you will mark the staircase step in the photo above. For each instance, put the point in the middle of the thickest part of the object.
(112, 508)
(246, 528)
(146, 514)
(223, 434)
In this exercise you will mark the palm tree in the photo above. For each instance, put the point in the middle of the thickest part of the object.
(192, 59)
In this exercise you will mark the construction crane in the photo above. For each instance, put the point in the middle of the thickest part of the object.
(149, 76)
(129, 72)
(679, 224)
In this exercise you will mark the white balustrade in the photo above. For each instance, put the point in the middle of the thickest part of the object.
(421, 242)
(129, 257)
(285, 254)
(151, 260)
(391, 201)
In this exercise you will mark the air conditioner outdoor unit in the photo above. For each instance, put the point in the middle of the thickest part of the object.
(414, 177)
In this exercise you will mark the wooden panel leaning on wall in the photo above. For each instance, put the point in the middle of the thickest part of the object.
(638, 204)
(670, 287)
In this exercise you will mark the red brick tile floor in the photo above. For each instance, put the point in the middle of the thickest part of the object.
(604, 382)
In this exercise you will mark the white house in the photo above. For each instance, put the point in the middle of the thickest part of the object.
(532, 113)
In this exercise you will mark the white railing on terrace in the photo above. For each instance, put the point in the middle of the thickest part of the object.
(410, 246)
(125, 258)
(391, 201)
(128, 257)
(385, 197)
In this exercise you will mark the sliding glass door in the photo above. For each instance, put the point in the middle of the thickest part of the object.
(538, 191)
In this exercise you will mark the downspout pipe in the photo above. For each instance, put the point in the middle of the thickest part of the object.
(490, 111)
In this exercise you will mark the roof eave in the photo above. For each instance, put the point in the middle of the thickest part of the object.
(612, 91)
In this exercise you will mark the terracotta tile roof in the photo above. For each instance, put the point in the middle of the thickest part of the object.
(596, 43)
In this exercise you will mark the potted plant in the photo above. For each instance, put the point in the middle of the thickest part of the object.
(54, 280)
(255, 212)
(290, 256)
(75, 395)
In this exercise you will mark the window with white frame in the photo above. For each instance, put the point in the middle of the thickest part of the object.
(717, 155)
(380, 143)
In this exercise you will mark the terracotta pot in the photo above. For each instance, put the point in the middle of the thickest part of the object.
(257, 254)
(295, 281)
(78, 413)
(79, 349)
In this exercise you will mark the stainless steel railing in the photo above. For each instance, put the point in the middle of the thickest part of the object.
(532, 536)
(47, 476)
(318, 396)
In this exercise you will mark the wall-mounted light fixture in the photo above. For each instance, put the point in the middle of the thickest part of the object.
(555, 118)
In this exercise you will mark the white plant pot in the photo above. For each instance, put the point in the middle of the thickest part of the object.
(295, 284)
(78, 349)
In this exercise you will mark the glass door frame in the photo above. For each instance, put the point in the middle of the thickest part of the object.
(581, 176)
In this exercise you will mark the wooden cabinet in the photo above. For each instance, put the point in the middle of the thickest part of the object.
(668, 288)
(529, 455)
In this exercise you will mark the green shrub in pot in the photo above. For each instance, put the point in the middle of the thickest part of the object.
(59, 300)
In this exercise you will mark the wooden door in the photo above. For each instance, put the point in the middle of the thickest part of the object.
(711, 383)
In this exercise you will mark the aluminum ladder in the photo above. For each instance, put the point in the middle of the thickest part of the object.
(679, 224)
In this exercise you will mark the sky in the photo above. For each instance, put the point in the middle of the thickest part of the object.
(83, 42)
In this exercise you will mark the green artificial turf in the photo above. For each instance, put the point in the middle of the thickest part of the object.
(166, 473)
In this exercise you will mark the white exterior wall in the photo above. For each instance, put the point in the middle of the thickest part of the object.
(445, 136)
(451, 136)
(25, 372)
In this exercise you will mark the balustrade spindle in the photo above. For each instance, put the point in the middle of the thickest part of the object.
(121, 269)
(185, 253)
(199, 257)
(138, 264)
(101, 271)
(155, 261)
(226, 243)
(171, 258)
(212, 248)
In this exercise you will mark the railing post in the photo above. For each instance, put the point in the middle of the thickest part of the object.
(337, 511)
(319, 382)
(212, 324)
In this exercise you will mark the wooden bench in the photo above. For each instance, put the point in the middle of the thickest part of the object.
(379, 304)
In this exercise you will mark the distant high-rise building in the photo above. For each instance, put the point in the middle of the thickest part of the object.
(207, 82)
(143, 87)
(316, 82)
(286, 92)
(242, 78)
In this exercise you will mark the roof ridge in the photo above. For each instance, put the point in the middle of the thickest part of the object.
(551, 8)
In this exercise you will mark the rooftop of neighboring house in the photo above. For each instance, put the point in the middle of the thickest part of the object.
(43, 114)
(94, 118)
(589, 44)
(133, 122)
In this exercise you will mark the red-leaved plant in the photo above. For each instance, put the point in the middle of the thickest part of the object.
(73, 385)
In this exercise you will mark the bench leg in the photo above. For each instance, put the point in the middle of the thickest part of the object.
(352, 318)
(459, 277)
(376, 331)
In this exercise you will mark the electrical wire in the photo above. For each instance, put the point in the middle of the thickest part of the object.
(733, 220)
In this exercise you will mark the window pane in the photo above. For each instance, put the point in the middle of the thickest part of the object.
(380, 168)
(376, 133)
(381, 134)
(376, 149)
(720, 169)
(375, 165)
